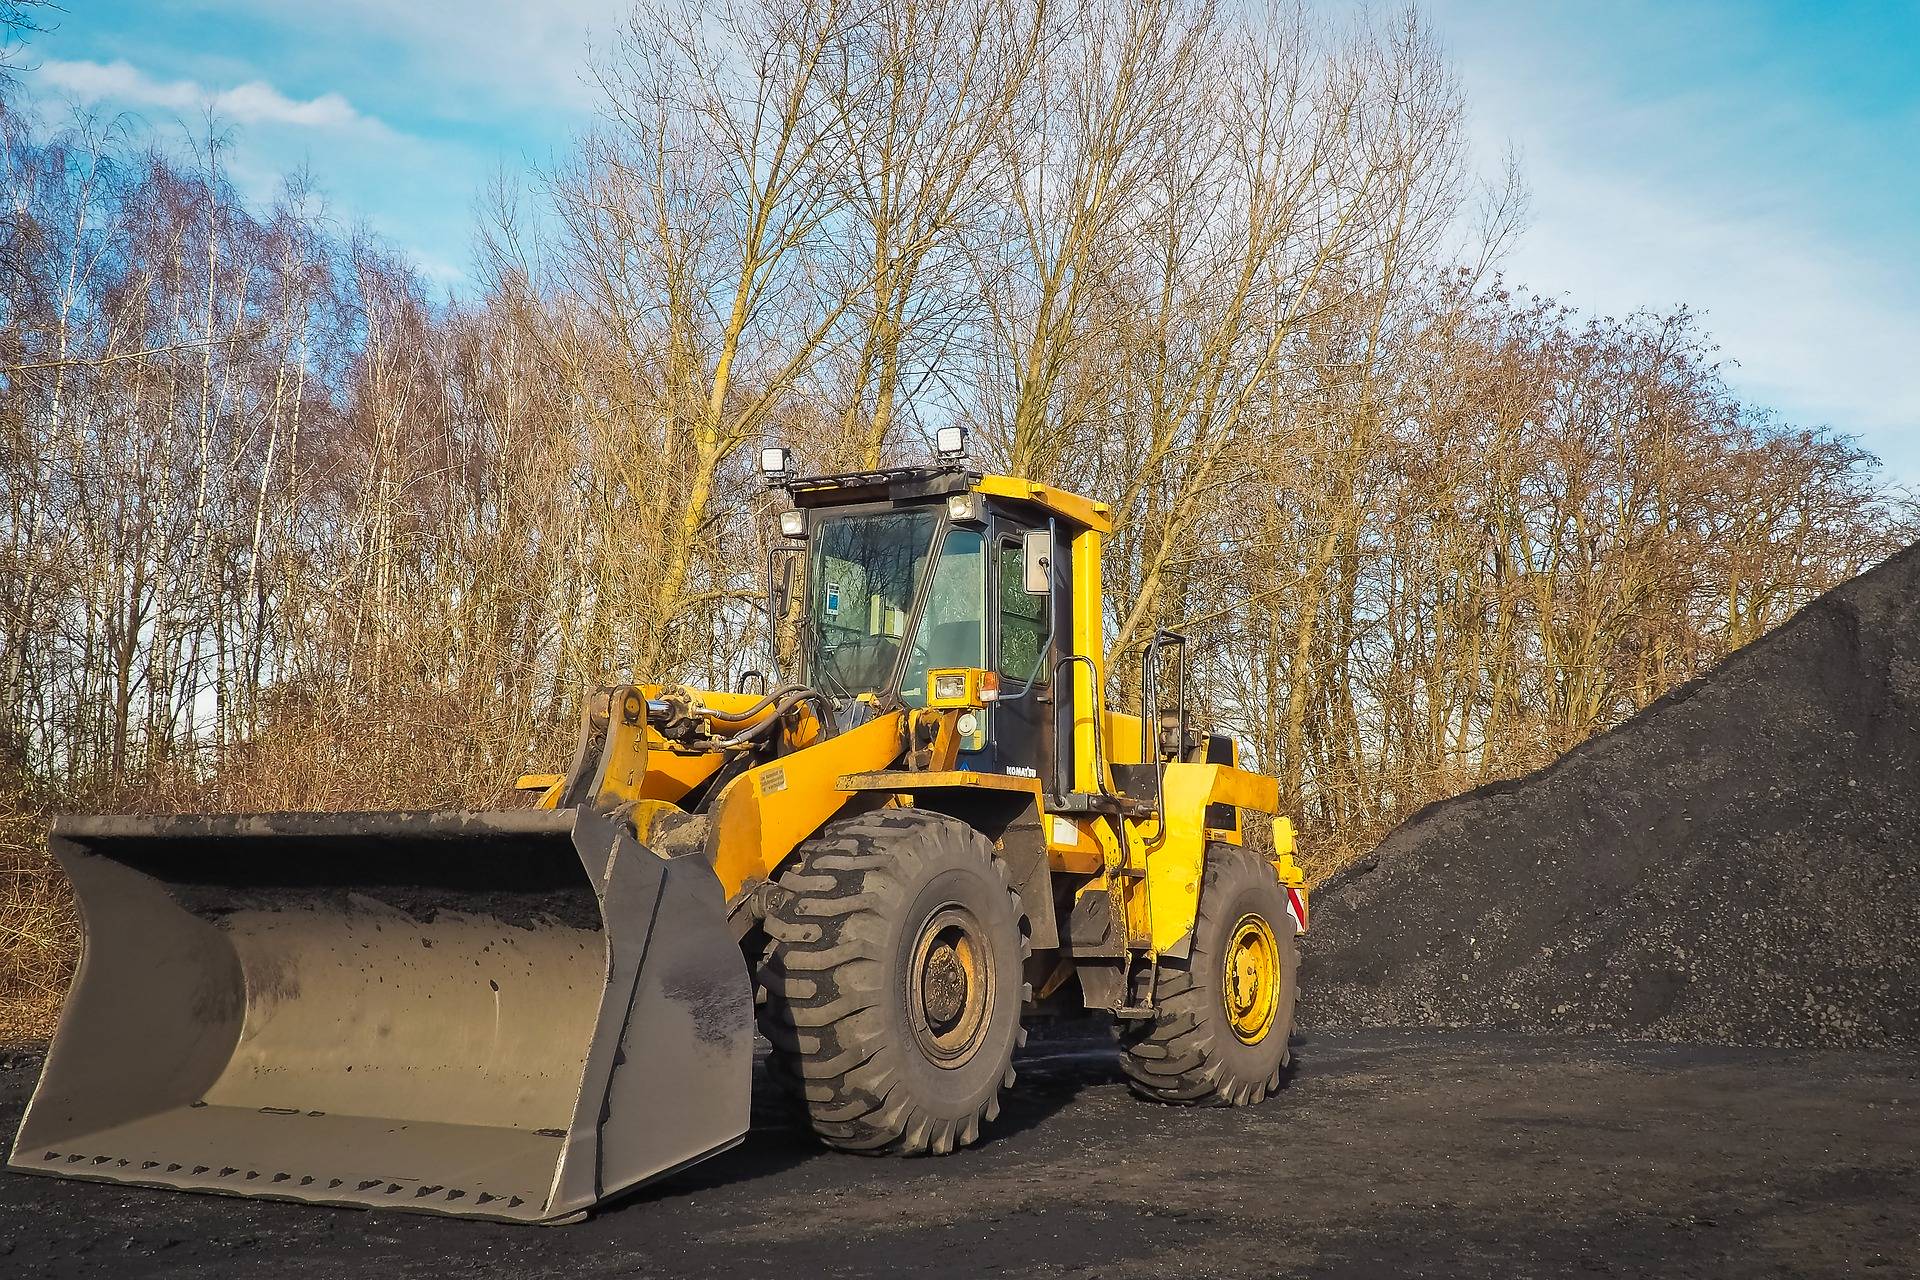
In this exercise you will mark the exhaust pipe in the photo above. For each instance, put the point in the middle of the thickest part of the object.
(506, 1015)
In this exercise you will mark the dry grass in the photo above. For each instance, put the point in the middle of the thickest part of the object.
(39, 932)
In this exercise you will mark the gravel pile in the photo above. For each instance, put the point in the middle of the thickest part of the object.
(1739, 863)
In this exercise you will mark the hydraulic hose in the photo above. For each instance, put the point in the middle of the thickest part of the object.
(737, 717)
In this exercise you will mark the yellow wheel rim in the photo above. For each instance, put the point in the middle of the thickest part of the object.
(1250, 978)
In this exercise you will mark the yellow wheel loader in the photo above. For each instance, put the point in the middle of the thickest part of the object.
(936, 830)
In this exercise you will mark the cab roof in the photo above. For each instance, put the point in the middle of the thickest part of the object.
(908, 484)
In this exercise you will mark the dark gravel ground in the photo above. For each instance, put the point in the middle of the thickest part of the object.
(1740, 863)
(1423, 1153)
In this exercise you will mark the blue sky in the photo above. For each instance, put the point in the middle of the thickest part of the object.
(1754, 160)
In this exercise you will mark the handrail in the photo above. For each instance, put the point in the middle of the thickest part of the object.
(1150, 753)
(1099, 720)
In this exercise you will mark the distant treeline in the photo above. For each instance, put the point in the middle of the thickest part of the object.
(278, 528)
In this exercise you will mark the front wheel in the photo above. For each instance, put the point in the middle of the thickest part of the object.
(892, 982)
(1218, 1034)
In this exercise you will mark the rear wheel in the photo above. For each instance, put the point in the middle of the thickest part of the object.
(1218, 1035)
(892, 982)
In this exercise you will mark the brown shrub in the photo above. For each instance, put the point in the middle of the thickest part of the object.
(39, 931)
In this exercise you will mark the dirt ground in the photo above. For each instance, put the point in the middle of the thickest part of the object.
(1418, 1153)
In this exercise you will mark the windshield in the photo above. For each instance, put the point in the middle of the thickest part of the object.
(951, 632)
(864, 573)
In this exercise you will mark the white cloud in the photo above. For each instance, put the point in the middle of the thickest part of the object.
(534, 54)
(1635, 204)
(255, 102)
(1808, 323)
(438, 270)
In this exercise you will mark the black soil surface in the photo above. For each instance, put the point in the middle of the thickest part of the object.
(1412, 1153)
(1738, 864)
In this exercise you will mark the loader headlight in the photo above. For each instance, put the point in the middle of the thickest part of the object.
(962, 687)
(793, 524)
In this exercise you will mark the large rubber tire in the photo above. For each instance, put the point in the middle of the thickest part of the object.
(855, 926)
(1192, 1050)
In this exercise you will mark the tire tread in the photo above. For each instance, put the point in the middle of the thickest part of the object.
(1178, 1055)
(825, 974)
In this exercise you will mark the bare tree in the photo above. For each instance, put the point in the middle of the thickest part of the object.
(280, 529)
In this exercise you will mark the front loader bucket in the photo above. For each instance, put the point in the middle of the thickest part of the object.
(501, 1015)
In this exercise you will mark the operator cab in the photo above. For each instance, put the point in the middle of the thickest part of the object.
(904, 572)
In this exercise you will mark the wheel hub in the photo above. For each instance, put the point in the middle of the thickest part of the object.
(950, 986)
(1250, 978)
(945, 984)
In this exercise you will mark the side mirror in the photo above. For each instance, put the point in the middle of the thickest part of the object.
(1036, 554)
(783, 586)
(780, 582)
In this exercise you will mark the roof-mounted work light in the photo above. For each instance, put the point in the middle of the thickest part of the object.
(773, 464)
(950, 443)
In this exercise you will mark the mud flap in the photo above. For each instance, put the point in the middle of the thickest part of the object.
(499, 1015)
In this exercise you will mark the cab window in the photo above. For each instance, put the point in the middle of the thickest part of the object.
(1023, 622)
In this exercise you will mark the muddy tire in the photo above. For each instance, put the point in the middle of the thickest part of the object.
(892, 982)
(1218, 1036)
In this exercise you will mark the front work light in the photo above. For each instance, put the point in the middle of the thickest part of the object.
(793, 524)
(773, 463)
(950, 442)
(965, 508)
